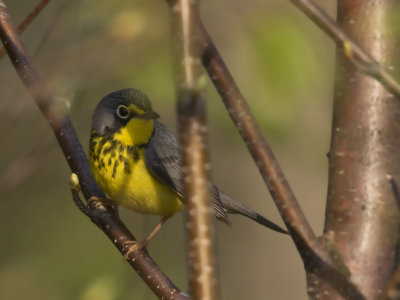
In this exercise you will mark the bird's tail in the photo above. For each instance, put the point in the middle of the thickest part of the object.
(234, 207)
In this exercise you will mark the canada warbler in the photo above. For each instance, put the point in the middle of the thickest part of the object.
(137, 161)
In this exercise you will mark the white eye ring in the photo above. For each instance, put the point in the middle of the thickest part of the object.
(122, 111)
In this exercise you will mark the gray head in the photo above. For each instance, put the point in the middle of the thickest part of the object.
(116, 109)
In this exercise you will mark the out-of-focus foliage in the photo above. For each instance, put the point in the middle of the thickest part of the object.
(285, 63)
(86, 49)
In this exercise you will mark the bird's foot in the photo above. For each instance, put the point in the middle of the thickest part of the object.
(133, 246)
(97, 202)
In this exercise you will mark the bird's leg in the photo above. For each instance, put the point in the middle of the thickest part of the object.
(156, 229)
(137, 245)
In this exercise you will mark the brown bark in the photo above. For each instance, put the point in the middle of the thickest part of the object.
(192, 130)
(358, 56)
(362, 213)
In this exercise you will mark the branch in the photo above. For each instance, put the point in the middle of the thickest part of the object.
(192, 130)
(392, 291)
(28, 20)
(359, 57)
(316, 257)
(61, 125)
(360, 207)
(258, 147)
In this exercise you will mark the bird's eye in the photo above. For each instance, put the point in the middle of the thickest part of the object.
(122, 112)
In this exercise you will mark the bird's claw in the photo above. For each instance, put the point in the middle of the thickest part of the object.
(134, 246)
(97, 202)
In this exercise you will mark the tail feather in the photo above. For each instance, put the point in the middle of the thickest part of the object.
(235, 207)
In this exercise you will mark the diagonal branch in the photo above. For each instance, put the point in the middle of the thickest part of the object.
(28, 20)
(250, 132)
(61, 125)
(317, 257)
(258, 147)
(192, 128)
(354, 52)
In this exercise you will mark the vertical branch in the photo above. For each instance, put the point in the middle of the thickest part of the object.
(192, 133)
(362, 214)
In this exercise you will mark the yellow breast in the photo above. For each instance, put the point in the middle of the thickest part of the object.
(118, 166)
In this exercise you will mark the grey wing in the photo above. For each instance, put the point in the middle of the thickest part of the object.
(163, 160)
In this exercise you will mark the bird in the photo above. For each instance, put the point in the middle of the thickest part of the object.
(136, 160)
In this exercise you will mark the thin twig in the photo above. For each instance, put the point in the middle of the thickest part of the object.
(354, 52)
(192, 129)
(28, 20)
(61, 125)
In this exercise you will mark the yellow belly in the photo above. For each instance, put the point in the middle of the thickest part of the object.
(128, 182)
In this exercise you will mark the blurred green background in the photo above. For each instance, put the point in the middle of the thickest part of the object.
(85, 49)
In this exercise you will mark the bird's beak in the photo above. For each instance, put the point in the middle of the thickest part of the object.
(148, 116)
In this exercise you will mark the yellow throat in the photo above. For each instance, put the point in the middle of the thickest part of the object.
(118, 165)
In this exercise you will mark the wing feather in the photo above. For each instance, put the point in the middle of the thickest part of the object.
(163, 160)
